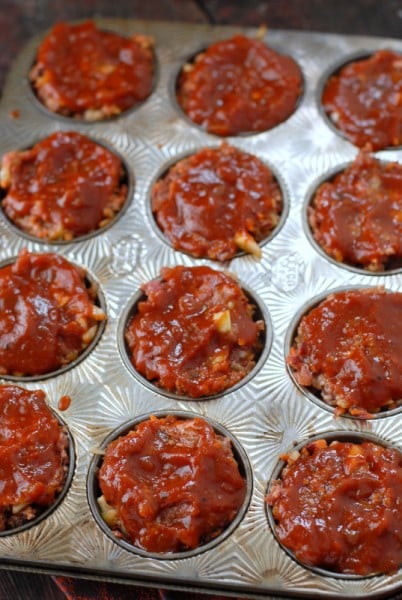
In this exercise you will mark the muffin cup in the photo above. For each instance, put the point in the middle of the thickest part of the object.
(266, 337)
(93, 490)
(341, 436)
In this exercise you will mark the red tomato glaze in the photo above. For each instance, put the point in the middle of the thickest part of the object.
(364, 100)
(357, 216)
(174, 483)
(338, 507)
(212, 202)
(81, 70)
(32, 452)
(239, 85)
(63, 187)
(350, 349)
(47, 315)
(195, 333)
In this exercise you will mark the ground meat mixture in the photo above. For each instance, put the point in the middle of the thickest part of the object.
(48, 315)
(83, 72)
(348, 349)
(338, 507)
(195, 333)
(217, 202)
(364, 100)
(62, 188)
(239, 85)
(34, 456)
(170, 485)
(356, 217)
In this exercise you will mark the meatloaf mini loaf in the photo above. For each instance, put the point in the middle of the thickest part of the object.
(34, 456)
(364, 100)
(84, 72)
(48, 314)
(356, 217)
(194, 334)
(170, 485)
(348, 350)
(64, 187)
(239, 86)
(338, 507)
(216, 202)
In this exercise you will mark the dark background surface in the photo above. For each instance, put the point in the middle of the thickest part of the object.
(22, 19)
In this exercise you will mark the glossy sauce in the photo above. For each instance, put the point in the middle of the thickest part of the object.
(45, 313)
(239, 86)
(63, 187)
(79, 68)
(364, 100)
(31, 449)
(339, 507)
(174, 482)
(350, 348)
(174, 341)
(64, 403)
(357, 216)
(206, 199)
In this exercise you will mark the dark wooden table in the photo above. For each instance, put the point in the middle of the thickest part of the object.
(22, 19)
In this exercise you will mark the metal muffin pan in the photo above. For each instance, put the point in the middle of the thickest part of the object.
(268, 415)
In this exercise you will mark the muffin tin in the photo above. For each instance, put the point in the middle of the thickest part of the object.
(268, 414)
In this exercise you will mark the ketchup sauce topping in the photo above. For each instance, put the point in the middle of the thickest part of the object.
(195, 333)
(239, 85)
(33, 451)
(357, 216)
(217, 202)
(350, 349)
(47, 314)
(63, 187)
(83, 71)
(338, 507)
(171, 484)
(364, 100)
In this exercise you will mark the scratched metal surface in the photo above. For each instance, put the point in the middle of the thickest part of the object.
(266, 415)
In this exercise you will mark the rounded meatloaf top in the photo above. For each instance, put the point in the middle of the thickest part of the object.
(48, 314)
(239, 85)
(85, 72)
(356, 217)
(348, 350)
(34, 456)
(216, 202)
(170, 484)
(64, 187)
(364, 100)
(337, 506)
(194, 333)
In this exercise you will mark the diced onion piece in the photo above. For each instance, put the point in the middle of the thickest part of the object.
(247, 243)
(223, 321)
(109, 514)
(18, 508)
